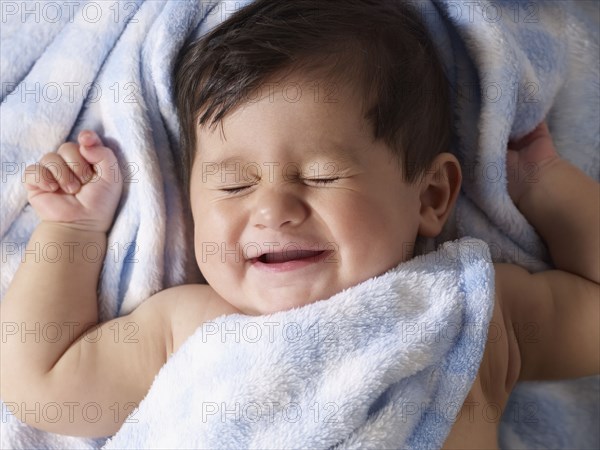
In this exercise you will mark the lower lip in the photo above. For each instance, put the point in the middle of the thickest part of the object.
(288, 266)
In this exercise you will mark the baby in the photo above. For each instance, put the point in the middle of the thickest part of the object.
(314, 158)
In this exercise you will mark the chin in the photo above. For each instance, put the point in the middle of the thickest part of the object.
(270, 304)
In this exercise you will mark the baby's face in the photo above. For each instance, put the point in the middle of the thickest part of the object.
(259, 207)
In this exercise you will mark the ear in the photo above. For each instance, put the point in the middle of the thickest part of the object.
(440, 186)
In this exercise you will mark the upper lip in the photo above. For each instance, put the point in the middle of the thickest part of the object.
(256, 250)
(292, 255)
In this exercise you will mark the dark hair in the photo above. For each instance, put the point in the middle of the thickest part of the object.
(379, 47)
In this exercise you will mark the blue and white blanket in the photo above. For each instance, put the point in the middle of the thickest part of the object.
(383, 364)
(106, 65)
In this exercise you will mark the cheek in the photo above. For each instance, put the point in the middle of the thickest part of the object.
(353, 222)
(373, 227)
(217, 236)
(206, 236)
(369, 213)
(200, 248)
(208, 242)
(214, 220)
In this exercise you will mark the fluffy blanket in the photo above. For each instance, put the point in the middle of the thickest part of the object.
(66, 66)
(379, 365)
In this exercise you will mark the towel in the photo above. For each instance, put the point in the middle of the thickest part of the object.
(512, 64)
(378, 365)
(66, 66)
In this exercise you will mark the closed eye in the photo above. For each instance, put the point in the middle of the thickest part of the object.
(322, 180)
(235, 190)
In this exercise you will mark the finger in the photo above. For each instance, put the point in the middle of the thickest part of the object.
(89, 138)
(104, 160)
(70, 153)
(537, 132)
(518, 144)
(66, 179)
(38, 177)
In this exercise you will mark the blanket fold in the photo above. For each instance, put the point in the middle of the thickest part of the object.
(66, 66)
(375, 366)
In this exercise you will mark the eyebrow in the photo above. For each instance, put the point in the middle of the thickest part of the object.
(340, 152)
(333, 150)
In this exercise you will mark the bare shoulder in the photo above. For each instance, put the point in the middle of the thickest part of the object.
(189, 306)
(501, 362)
(524, 308)
(477, 423)
(553, 315)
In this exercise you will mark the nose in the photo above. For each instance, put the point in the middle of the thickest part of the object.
(277, 208)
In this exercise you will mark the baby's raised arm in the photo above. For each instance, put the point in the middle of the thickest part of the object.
(60, 370)
(554, 313)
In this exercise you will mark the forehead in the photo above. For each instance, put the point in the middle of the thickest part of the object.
(296, 113)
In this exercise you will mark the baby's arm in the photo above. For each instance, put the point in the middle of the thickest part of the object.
(560, 201)
(58, 372)
(555, 313)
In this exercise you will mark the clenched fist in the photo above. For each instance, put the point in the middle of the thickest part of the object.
(79, 186)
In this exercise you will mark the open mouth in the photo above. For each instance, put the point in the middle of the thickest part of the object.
(289, 255)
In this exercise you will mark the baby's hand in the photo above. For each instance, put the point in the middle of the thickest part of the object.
(79, 186)
(527, 160)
